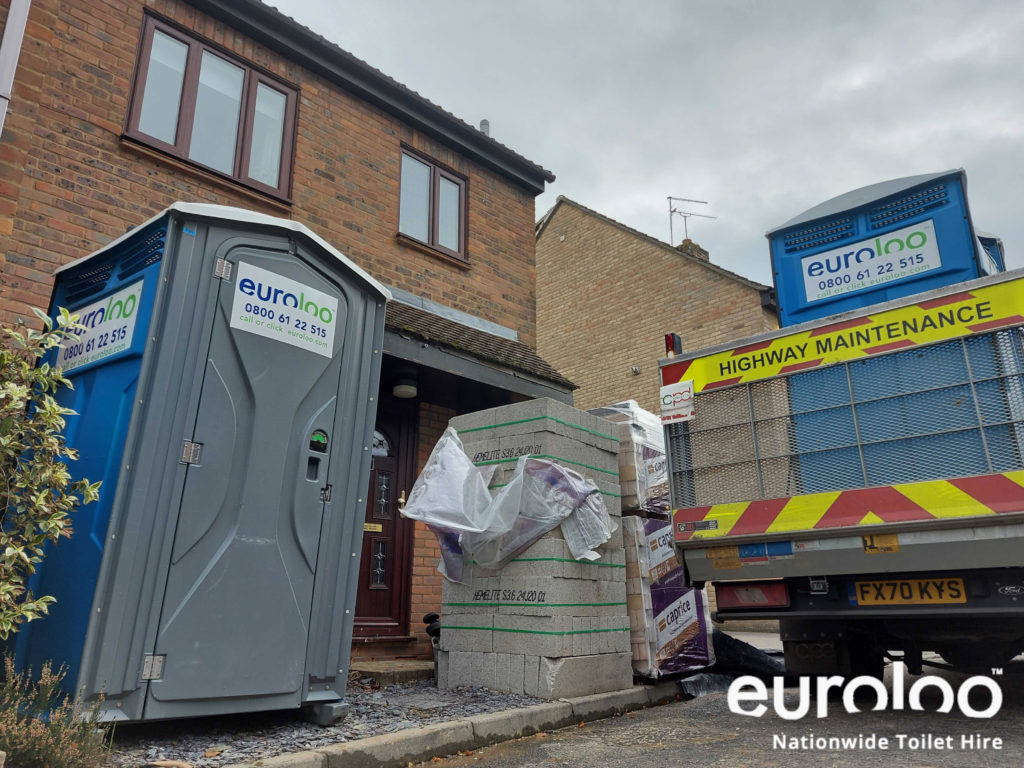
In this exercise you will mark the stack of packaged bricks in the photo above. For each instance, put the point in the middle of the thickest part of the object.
(643, 472)
(670, 624)
(545, 625)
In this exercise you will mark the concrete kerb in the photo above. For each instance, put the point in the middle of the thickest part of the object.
(415, 745)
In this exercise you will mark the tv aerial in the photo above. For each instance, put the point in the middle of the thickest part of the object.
(673, 211)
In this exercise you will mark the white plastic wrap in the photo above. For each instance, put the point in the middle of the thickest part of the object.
(450, 492)
(451, 497)
(542, 494)
(642, 466)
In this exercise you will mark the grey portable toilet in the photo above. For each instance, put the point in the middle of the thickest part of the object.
(226, 388)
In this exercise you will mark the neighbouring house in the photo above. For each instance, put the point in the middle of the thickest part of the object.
(121, 107)
(607, 295)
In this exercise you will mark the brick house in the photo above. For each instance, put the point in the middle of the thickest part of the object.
(121, 107)
(607, 295)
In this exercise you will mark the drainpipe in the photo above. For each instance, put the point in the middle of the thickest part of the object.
(10, 49)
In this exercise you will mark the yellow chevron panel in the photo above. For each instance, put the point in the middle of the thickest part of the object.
(726, 515)
(803, 512)
(943, 499)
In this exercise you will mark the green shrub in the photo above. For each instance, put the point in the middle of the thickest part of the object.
(36, 491)
(40, 727)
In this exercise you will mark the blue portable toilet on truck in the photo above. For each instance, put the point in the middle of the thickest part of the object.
(881, 242)
(226, 389)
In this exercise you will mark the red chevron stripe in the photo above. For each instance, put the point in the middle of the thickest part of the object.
(944, 300)
(891, 345)
(723, 382)
(997, 492)
(752, 347)
(841, 326)
(688, 515)
(800, 366)
(886, 502)
(758, 516)
(674, 372)
(998, 323)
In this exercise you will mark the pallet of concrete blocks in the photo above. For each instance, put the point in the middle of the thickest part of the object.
(643, 472)
(670, 623)
(547, 429)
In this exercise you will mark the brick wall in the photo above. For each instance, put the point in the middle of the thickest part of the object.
(606, 297)
(70, 184)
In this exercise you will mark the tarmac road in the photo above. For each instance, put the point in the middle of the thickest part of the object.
(703, 732)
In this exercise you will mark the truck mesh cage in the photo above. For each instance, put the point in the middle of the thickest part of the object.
(950, 409)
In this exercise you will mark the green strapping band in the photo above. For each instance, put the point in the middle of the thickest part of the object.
(539, 418)
(537, 605)
(603, 493)
(547, 456)
(560, 560)
(538, 631)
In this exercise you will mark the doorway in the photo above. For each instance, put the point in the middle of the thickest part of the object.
(382, 602)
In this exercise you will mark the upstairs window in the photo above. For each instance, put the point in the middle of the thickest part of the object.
(432, 206)
(202, 105)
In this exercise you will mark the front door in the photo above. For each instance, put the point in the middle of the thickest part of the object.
(382, 605)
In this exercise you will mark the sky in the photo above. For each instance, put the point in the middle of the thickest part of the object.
(761, 109)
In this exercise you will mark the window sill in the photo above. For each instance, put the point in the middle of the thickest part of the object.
(416, 245)
(236, 187)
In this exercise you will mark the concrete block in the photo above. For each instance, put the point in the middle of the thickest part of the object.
(582, 635)
(533, 635)
(482, 669)
(531, 673)
(442, 669)
(516, 673)
(535, 415)
(456, 669)
(501, 667)
(618, 641)
(476, 596)
(551, 597)
(569, 677)
(466, 632)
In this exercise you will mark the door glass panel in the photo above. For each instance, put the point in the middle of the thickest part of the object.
(414, 204)
(267, 136)
(382, 501)
(381, 446)
(162, 96)
(448, 214)
(379, 565)
(218, 103)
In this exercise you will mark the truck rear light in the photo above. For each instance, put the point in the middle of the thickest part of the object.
(751, 594)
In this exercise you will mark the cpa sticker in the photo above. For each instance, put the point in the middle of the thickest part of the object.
(677, 402)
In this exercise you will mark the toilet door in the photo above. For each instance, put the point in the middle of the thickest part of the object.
(236, 609)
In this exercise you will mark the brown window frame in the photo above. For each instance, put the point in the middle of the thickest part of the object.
(186, 108)
(438, 172)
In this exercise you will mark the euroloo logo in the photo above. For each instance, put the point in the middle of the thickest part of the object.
(749, 695)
